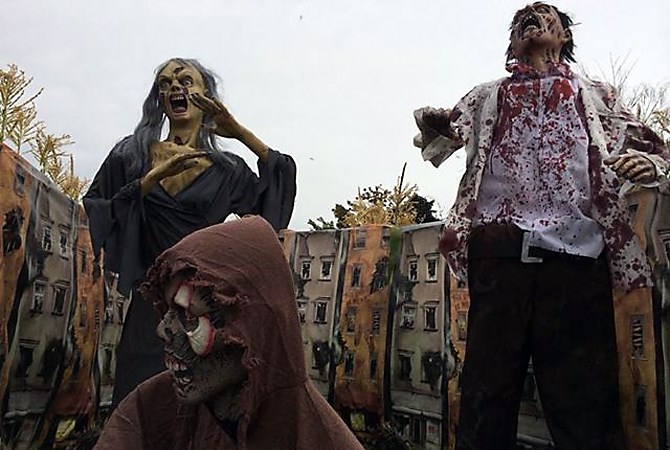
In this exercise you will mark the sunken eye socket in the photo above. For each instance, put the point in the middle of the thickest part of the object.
(163, 85)
(186, 81)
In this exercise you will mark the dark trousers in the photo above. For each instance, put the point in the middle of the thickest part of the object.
(560, 313)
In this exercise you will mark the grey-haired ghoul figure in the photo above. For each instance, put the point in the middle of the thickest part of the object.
(149, 193)
(541, 233)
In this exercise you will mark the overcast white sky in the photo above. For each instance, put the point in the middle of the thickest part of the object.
(333, 83)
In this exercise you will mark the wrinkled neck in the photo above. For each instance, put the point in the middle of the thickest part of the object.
(541, 58)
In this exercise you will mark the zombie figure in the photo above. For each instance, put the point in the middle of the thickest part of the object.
(541, 232)
(236, 375)
(149, 193)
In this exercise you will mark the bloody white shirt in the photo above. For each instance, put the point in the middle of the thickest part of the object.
(536, 175)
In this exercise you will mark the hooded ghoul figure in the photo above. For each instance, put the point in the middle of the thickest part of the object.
(236, 375)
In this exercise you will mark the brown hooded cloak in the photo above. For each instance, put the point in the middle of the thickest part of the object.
(243, 263)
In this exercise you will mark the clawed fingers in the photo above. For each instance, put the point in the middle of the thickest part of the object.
(633, 167)
(208, 105)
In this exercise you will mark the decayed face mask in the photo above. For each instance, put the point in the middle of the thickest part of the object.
(175, 83)
(537, 25)
(200, 369)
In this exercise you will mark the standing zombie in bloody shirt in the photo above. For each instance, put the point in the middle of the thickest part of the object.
(149, 193)
(236, 375)
(542, 233)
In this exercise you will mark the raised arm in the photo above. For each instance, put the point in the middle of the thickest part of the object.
(225, 125)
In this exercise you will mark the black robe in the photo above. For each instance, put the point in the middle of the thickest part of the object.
(133, 230)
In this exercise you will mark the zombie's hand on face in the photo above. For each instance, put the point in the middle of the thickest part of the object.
(226, 125)
(433, 119)
(633, 167)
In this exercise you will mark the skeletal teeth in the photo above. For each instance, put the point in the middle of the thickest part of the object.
(202, 338)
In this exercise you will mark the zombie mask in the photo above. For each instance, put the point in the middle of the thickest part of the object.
(538, 26)
(175, 83)
(201, 367)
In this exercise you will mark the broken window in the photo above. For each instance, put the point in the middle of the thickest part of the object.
(431, 268)
(62, 244)
(356, 275)
(380, 276)
(107, 361)
(351, 319)
(413, 270)
(19, 180)
(306, 270)
(25, 359)
(407, 316)
(641, 406)
(109, 312)
(320, 355)
(405, 367)
(302, 310)
(430, 317)
(53, 355)
(418, 427)
(432, 367)
(637, 335)
(376, 320)
(60, 293)
(46, 238)
(462, 325)
(326, 269)
(11, 231)
(320, 311)
(119, 310)
(39, 289)
(349, 363)
(83, 311)
(373, 365)
(83, 255)
(359, 238)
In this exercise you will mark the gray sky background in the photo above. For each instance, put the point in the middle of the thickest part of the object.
(332, 83)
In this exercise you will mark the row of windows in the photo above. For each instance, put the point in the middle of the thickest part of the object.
(432, 268)
(325, 273)
(404, 366)
(408, 316)
(320, 310)
(360, 238)
(58, 296)
(350, 362)
(63, 241)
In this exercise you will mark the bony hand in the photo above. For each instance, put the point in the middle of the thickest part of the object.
(633, 167)
(172, 166)
(226, 125)
(436, 119)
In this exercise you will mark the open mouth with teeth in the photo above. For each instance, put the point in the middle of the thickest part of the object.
(529, 21)
(181, 373)
(178, 103)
